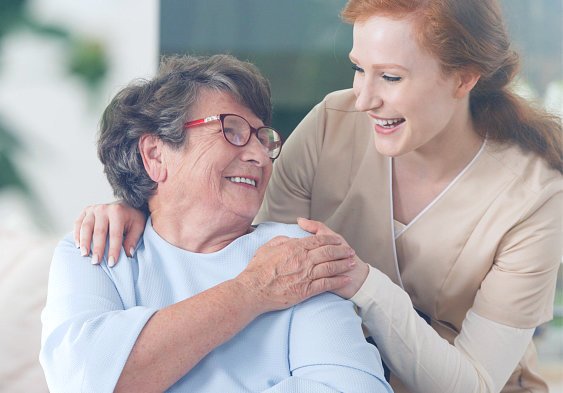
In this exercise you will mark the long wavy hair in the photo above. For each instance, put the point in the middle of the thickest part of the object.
(470, 34)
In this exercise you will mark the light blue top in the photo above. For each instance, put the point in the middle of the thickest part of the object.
(94, 315)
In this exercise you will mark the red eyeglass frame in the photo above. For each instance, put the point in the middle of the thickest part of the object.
(253, 130)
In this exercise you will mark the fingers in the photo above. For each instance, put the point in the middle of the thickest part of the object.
(85, 232)
(308, 225)
(96, 222)
(331, 269)
(115, 239)
(101, 227)
(330, 253)
(328, 284)
(76, 229)
(316, 241)
(132, 236)
(314, 227)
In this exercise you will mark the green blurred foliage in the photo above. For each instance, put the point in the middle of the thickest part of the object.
(9, 175)
(86, 58)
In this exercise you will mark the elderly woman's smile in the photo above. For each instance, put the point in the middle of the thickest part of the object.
(242, 180)
(208, 178)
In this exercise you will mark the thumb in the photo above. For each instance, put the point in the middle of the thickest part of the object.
(310, 226)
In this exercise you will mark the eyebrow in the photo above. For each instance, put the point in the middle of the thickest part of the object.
(380, 66)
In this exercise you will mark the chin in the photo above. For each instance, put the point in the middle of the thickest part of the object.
(389, 149)
(248, 214)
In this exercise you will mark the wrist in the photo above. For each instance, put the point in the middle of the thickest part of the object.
(247, 291)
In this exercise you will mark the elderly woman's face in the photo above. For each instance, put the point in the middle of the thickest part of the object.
(213, 176)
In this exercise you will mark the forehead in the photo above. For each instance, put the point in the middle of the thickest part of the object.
(384, 40)
(211, 102)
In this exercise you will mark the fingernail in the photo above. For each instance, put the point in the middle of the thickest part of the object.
(94, 259)
(83, 251)
(111, 261)
(352, 263)
(132, 251)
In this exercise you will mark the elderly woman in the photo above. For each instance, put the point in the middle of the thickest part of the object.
(193, 309)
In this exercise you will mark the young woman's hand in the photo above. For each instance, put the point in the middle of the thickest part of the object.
(117, 219)
(360, 270)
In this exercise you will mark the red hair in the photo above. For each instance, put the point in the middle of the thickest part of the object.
(470, 34)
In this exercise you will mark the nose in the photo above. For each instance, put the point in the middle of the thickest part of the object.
(367, 96)
(255, 152)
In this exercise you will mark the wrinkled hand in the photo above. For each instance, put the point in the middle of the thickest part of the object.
(360, 270)
(116, 219)
(287, 271)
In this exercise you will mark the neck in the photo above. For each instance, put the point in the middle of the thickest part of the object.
(446, 155)
(195, 232)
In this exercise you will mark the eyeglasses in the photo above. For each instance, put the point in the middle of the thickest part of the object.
(237, 131)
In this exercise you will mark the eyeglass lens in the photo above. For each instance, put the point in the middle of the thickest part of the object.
(237, 131)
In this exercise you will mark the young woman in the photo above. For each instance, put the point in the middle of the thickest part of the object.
(448, 186)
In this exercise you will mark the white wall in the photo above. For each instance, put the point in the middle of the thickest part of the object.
(54, 115)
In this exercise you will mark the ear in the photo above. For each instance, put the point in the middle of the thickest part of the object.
(467, 79)
(151, 149)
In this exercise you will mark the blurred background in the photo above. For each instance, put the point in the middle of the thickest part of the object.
(61, 61)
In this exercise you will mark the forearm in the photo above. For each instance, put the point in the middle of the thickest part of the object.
(176, 338)
(423, 360)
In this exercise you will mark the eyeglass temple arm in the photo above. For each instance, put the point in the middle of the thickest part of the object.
(202, 121)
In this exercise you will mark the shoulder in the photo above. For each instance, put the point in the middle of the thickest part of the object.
(531, 182)
(341, 100)
(339, 107)
(528, 169)
(67, 256)
(68, 265)
(326, 300)
(268, 230)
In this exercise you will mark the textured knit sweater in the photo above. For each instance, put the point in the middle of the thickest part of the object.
(94, 315)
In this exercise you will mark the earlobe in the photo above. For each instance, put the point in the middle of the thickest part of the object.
(467, 81)
(150, 148)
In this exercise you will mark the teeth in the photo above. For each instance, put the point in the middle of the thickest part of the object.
(242, 180)
(384, 122)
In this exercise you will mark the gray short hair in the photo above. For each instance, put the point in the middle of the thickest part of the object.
(161, 106)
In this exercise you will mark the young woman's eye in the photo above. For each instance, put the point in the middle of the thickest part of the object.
(357, 68)
(391, 78)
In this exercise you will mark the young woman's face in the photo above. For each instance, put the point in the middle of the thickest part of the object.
(401, 87)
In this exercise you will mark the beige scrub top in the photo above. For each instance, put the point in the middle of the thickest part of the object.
(491, 242)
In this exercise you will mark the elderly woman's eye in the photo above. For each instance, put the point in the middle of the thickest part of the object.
(235, 137)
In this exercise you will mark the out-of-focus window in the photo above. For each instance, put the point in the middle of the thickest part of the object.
(302, 46)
